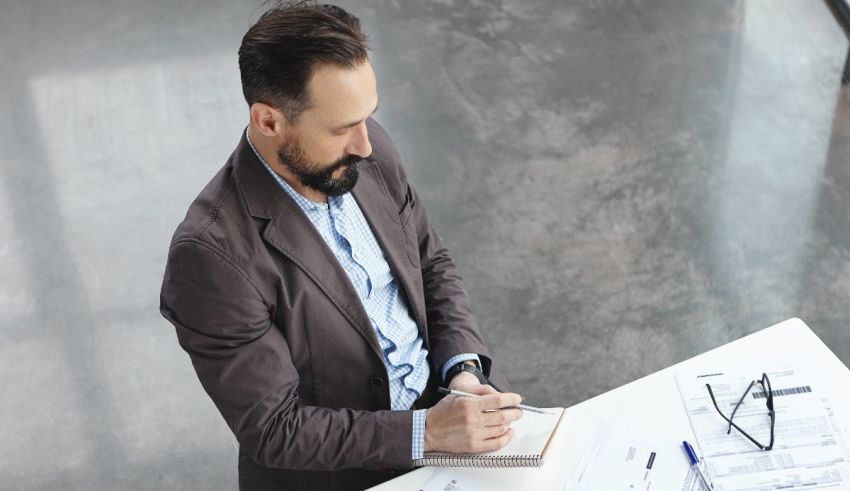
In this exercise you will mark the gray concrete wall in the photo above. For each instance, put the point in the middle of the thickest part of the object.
(623, 184)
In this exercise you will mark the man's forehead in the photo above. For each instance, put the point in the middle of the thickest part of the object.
(340, 95)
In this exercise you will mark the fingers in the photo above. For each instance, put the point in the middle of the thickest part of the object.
(499, 418)
(498, 400)
(497, 442)
(478, 389)
(494, 431)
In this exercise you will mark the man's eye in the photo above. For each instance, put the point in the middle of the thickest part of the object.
(340, 132)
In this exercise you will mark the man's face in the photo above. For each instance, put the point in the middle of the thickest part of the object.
(322, 148)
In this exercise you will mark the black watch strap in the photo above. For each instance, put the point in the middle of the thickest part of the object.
(464, 367)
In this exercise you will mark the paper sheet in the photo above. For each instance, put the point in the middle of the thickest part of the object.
(621, 459)
(448, 480)
(809, 450)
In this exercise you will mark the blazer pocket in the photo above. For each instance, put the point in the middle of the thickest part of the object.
(408, 230)
(407, 209)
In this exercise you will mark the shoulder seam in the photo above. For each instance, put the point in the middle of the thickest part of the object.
(228, 260)
(215, 209)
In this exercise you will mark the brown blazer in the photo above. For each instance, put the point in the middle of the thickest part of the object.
(279, 338)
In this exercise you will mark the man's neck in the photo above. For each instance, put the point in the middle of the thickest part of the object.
(270, 154)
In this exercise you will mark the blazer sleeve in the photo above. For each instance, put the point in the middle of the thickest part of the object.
(244, 364)
(452, 328)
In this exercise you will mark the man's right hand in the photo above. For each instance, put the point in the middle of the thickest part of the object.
(460, 424)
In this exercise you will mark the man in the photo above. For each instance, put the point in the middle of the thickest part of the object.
(316, 302)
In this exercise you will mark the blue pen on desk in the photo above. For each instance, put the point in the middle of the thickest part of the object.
(692, 456)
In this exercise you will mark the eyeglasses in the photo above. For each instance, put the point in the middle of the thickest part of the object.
(767, 394)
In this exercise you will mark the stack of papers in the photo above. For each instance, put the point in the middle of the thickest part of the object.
(809, 451)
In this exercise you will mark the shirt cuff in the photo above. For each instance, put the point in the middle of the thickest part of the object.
(455, 360)
(418, 434)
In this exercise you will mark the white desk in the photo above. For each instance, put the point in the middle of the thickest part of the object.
(652, 405)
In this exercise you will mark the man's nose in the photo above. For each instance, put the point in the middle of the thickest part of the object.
(360, 144)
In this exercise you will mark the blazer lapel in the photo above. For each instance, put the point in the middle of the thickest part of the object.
(293, 235)
(377, 206)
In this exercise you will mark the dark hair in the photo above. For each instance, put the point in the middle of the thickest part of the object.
(279, 52)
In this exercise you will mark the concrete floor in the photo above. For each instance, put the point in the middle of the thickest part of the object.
(624, 184)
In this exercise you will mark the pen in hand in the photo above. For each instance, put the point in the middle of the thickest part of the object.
(453, 392)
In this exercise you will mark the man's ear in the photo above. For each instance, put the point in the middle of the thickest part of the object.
(267, 120)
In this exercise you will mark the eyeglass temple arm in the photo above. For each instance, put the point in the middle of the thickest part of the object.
(729, 430)
(748, 437)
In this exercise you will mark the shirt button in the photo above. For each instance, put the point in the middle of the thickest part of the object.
(376, 382)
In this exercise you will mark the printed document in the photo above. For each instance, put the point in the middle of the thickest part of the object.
(809, 450)
(448, 480)
(621, 459)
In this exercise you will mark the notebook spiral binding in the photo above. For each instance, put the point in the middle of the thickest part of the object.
(449, 460)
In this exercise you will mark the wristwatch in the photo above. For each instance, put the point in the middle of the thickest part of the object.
(464, 367)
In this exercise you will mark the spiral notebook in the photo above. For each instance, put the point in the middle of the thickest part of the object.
(533, 435)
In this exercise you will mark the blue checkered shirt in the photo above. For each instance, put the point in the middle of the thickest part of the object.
(345, 230)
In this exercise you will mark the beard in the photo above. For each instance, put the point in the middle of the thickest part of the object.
(292, 157)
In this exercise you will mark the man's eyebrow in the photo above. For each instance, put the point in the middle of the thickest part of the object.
(350, 125)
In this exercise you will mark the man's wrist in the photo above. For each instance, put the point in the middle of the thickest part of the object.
(470, 372)
(463, 378)
(454, 361)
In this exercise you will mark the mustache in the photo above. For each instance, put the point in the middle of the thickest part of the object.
(346, 161)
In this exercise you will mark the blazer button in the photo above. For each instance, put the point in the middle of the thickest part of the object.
(376, 382)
